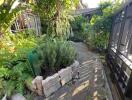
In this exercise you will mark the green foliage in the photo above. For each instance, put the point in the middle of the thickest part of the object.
(79, 25)
(7, 18)
(102, 24)
(18, 75)
(57, 53)
(49, 9)
(65, 54)
(96, 33)
(101, 41)
(55, 16)
(19, 57)
(13, 48)
(53, 53)
(16, 46)
(14, 66)
(14, 79)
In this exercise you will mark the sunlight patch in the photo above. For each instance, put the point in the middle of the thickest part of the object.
(63, 95)
(86, 62)
(81, 87)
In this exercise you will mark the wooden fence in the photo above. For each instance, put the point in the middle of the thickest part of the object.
(27, 21)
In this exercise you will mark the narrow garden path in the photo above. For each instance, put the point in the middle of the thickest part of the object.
(92, 84)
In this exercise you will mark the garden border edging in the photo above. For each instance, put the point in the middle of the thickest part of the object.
(52, 83)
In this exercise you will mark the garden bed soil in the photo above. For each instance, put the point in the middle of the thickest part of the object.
(49, 72)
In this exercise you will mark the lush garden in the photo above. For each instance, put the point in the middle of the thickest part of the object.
(96, 32)
(24, 55)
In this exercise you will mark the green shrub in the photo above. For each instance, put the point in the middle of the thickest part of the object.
(65, 54)
(14, 66)
(79, 25)
(12, 80)
(57, 53)
(96, 32)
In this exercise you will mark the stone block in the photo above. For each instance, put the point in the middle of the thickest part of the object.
(51, 84)
(75, 64)
(75, 69)
(5, 97)
(38, 82)
(18, 97)
(37, 85)
(65, 75)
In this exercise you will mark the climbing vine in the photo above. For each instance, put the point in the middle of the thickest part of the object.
(55, 15)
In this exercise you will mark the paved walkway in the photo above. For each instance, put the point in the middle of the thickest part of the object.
(92, 84)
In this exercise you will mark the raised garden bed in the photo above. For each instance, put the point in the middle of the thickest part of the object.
(52, 83)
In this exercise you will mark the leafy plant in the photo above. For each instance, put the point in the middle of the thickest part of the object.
(14, 66)
(96, 32)
(14, 79)
(57, 53)
(55, 16)
(79, 26)
(7, 16)
(65, 54)
(102, 23)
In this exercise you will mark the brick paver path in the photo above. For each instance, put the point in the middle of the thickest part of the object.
(92, 82)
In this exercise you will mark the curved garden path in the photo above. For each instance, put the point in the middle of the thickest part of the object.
(92, 84)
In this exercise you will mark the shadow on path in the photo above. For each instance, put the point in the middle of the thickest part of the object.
(92, 82)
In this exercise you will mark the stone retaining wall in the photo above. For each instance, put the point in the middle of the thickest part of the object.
(52, 83)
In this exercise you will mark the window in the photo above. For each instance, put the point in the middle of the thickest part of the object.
(116, 33)
(125, 36)
(129, 42)
(116, 29)
(113, 36)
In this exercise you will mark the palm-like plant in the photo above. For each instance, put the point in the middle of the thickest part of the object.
(8, 15)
